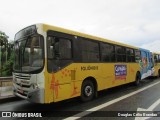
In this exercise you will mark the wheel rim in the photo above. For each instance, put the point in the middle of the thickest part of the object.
(88, 91)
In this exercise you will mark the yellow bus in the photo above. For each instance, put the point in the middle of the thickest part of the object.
(156, 64)
(54, 64)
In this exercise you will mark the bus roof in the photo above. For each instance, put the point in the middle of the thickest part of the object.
(47, 27)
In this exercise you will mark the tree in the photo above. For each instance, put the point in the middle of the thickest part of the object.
(3, 50)
(8, 66)
(3, 38)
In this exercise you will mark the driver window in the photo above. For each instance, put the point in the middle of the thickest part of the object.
(65, 48)
(59, 52)
(50, 47)
(59, 48)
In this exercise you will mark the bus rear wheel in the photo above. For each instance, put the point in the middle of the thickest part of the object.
(87, 91)
(138, 78)
(158, 73)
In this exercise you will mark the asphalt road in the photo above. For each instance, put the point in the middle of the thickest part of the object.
(109, 104)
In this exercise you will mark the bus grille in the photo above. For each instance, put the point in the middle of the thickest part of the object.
(23, 83)
(22, 77)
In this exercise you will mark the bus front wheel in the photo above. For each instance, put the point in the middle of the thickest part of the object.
(87, 91)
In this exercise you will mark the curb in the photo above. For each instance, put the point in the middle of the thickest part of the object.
(9, 99)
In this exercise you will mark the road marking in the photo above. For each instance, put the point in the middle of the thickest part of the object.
(154, 105)
(81, 114)
(151, 108)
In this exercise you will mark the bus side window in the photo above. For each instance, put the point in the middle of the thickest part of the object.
(108, 52)
(59, 48)
(50, 47)
(120, 53)
(65, 49)
(130, 55)
(137, 55)
(158, 58)
(155, 59)
(90, 51)
(59, 52)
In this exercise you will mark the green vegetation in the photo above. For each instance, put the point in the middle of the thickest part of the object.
(8, 66)
(6, 55)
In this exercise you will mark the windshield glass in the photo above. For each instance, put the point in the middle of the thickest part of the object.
(28, 54)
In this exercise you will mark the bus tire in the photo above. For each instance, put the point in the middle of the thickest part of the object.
(87, 91)
(158, 73)
(138, 78)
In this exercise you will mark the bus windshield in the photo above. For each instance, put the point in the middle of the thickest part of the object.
(28, 54)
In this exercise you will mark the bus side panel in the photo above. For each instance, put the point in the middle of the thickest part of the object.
(145, 64)
(63, 84)
(156, 68)
(67, 82)
(132, 70)
(119, 74)
(105, 73)
(156, 64)
(49, 94)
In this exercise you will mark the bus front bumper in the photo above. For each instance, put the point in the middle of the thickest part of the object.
(36, 96)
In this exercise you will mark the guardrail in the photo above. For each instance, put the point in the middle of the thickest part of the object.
(6, 87)
(5, 78)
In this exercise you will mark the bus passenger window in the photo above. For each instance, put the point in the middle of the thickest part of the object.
(90, 51)
(137, 56)
(155, 58)
(120, 54)
(108, 53)
(65, 48)
(130, 55)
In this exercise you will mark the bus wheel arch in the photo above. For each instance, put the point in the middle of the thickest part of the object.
(89, 89)
(137, 78)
